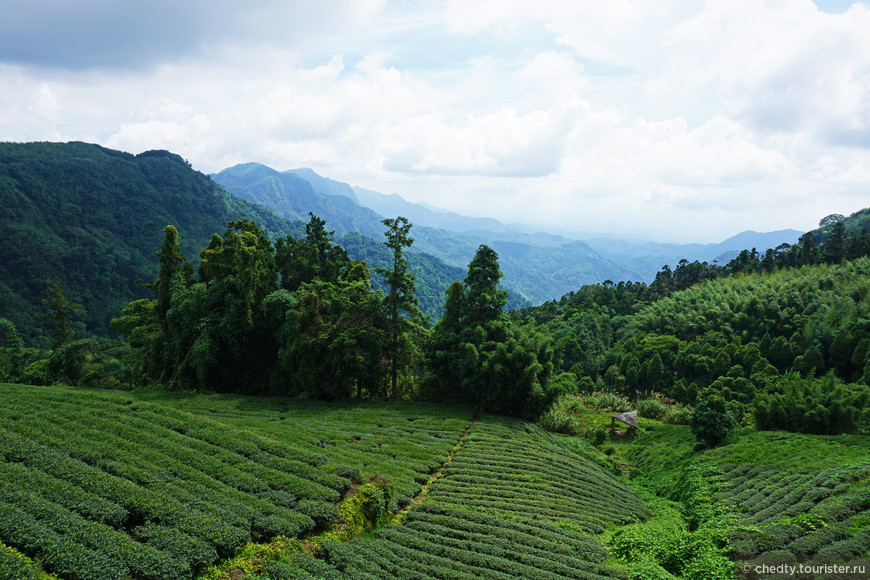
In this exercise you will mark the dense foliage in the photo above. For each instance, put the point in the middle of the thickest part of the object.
(730, 335)
(89, 217)
(711, 421)
(478, 356)
(299, 317)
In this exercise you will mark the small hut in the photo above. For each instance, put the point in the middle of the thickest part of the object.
(629, 418)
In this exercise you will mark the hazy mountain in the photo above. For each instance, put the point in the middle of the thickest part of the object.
(324, 184)
(425, 214)
(293, 194)
(541, 266)
(649, 257)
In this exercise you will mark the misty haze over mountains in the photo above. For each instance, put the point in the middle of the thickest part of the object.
(541, 265)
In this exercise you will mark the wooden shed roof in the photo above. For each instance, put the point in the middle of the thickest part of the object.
(629, 418)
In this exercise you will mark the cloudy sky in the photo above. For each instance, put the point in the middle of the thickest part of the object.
(667, 119)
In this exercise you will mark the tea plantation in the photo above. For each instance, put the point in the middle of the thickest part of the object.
(98, 484)
(513, 503)
(765, 497)
(118, 485)
(110, 485)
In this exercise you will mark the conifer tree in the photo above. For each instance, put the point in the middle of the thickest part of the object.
(401, 299)
(171, 265)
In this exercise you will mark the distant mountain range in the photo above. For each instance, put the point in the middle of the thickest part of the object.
(542, 266)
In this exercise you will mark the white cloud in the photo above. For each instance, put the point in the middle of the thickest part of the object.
(669, 117)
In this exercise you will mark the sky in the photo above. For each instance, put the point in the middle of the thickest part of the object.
(672, 120)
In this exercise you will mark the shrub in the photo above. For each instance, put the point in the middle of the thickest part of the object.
(605, 401)
(819, 406)
(650, 571)
(598, 435)
(320, 511)
(712, 422)
(196, 553)
(650, 408)
(677, 415)
(560, 421)
(15, 565)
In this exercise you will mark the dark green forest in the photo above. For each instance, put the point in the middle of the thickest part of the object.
(91, 218)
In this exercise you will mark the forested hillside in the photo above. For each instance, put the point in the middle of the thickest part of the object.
(782, 337)
(91, 219)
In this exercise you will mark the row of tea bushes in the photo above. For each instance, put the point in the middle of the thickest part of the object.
(512, 503)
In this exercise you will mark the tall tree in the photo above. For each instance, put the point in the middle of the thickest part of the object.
(61, 314)
(172, 263)
(332, 343)
(477, 356)
(401, 298)
(834, 248)
(484, 300)
(808, 253)
(313, 257)
(15, 347)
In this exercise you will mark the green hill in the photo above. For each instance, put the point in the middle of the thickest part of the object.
(92, 219)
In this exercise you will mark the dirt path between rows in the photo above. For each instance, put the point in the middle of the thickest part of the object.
(399, 516)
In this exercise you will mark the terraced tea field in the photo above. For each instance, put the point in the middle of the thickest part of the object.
(108, 485)
(118, 485)
(783, 494)
(513, 503)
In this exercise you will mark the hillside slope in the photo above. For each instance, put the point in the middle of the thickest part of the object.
(92, 218)
(774, 493)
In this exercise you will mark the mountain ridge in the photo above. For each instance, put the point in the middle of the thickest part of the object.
(542, 265)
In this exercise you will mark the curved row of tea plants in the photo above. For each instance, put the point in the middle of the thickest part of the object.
(110, 485)
(773, 493)
(500, 527)
(533, 476)
(404, 442)
(442, 542)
